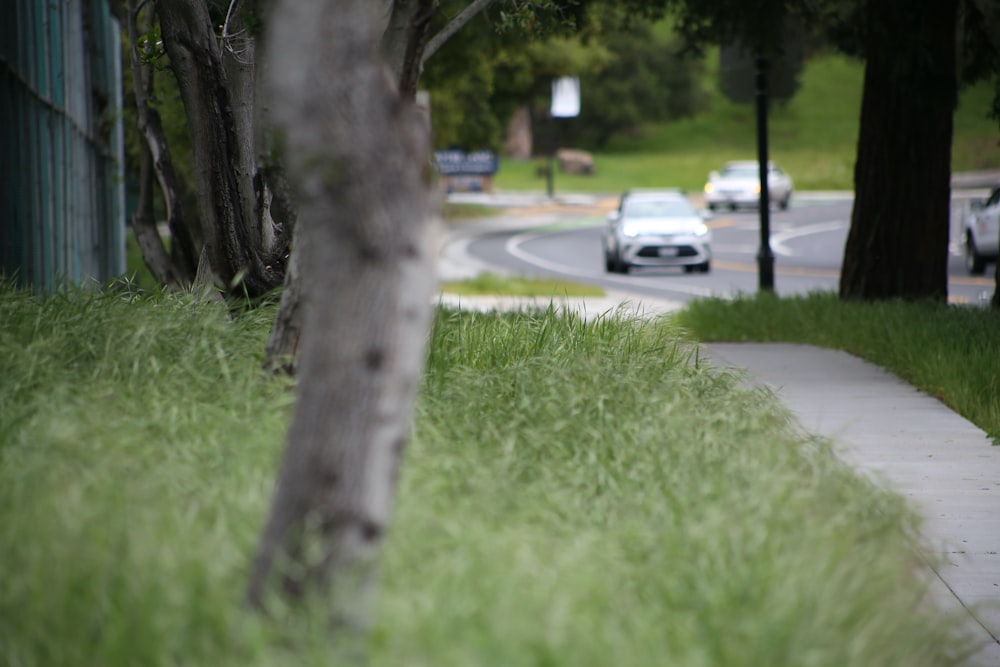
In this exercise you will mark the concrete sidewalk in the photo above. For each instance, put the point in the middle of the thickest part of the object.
(910, 442)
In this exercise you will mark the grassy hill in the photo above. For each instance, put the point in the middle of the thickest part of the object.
(813, 137)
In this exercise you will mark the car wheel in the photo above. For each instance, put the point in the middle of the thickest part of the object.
(712, 207)
(705, 267)
(974, 262)
(783, 205)
(609, 263)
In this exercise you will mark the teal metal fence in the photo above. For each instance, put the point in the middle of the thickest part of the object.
(62, 216)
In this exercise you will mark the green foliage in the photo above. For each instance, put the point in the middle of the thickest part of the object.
(646, 80)
(576, 493)
(493, 284)
(738, 69)
(527, 511)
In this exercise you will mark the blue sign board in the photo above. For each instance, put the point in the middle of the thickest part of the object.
(456, 162)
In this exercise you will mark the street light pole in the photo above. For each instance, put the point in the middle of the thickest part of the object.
(765, 258)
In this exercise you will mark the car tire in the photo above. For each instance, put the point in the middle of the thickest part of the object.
(974, 262)
(705, 267)
(712, 207)
(783, 205)
(609, 263)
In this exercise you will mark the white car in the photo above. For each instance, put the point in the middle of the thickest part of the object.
(656, 228)
(982, 233)
(738, 184)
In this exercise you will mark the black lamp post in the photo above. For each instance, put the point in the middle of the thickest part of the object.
(765, 258)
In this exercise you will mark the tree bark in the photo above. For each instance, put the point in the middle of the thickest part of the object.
(360, 152)
(401, 44)
(280, 354)
(154, 253)
(178, 267)
(897, 246)
(223, 152)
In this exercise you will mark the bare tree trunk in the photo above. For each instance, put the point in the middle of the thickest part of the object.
(360, 153)
(897, 246)
(223, 152)
(403, 26)
(280, 354)
(154, 253)
(238, 55)
(177, 268)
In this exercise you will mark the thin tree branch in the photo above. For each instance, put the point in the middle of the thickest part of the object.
(456, 24)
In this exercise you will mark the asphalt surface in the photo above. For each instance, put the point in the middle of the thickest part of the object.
(904, 439)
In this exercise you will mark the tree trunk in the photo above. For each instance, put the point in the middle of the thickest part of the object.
(154, 253)
(402, 25)
(897, 246)
(360, 154)
(178, 267)
(280, 354)
(223, 152)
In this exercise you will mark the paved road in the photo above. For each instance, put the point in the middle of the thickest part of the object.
(807, 240)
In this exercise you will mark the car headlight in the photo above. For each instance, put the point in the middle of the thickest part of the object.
(630, 230)
(709, 188)
(701, 230)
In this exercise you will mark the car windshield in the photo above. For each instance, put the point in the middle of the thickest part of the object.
(740, 172)
(658, 208)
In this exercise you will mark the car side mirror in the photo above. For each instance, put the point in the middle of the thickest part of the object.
(713, 175)
(614, 216)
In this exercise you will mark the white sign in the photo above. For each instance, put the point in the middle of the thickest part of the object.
(566, 97)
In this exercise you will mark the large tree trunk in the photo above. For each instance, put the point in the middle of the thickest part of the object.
(897, 246)
(402, 26)
(223, 151)
(360, 153)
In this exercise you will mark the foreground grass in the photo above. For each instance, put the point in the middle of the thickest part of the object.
(577, 493)
(951, 352)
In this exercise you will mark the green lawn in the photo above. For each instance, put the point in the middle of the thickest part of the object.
(813, 137)
(576, 493)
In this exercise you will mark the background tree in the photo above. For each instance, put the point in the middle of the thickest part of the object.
(646, 78)
(738, 68)
(897, 246)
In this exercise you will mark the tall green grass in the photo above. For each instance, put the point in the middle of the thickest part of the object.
(813, 137)
(951, 352)
(576, 493)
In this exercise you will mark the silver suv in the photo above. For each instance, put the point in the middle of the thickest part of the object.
(656, 228)
(982, 232)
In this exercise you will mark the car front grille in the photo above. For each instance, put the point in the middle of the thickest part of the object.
(654, 251)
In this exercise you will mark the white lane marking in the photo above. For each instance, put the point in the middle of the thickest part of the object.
(778, 240)
(512, 247)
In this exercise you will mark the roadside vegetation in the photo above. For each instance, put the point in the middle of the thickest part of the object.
(496, 284)
(577, 493)
(950, 352)
(813, 137)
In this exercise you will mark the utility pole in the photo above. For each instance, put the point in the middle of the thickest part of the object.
(765, 258)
